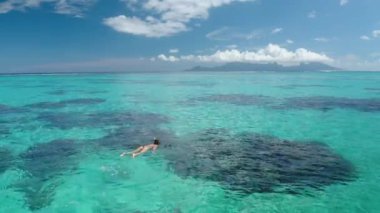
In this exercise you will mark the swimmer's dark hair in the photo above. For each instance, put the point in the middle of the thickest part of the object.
(156, 142)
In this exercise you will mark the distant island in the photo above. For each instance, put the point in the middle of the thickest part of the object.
(302, 67)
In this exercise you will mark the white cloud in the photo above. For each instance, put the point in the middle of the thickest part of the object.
(312, 14)
(289, 41)
(150, 27)
(217, 34)
(322, 39)
(173, 51)
(172, 16)
(376, 33)
(68, 7)
(343, 2)
(171, 58)
(364, 37)
(271, 53)
(73, 7)
(227, 33)
(276, 30)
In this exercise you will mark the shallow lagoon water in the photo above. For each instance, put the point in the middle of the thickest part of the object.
(61, 136)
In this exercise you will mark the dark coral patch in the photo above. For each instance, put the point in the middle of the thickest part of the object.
(101, 119)
(132, 137)
(57, 92)
(252, 163)
(128, 118)
(65, 103)
(64, 91)
(4, 130)
(5, 109)
(122, 81)
(47, 105)
(372, 89)
(295, 86)
(238, 99)
(6, 159)
(38, 194)
(48, 159)
(84, 101)
(322, 103)
(190, 84)
(327, 103)
(44, 163)
(92, 92)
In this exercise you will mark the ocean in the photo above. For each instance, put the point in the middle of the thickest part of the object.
(230, 142)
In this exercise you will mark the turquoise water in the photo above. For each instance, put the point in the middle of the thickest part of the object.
(61, 136)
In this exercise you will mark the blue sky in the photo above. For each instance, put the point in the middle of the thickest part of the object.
(134, 35)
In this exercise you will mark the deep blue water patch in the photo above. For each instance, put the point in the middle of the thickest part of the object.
(101, 119)
(65, 103)
(6, 159)
(251, 163)
(44, 163)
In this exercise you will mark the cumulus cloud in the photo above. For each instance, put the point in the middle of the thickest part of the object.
(343, 2)
(172, 16)
(171, 58)
(73, 7)
(271, 53)
(150, 27)
(68, 7)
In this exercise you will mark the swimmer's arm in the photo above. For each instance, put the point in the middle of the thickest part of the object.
(154, 149)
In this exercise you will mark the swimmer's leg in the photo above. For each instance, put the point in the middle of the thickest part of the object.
(137, 150)
(134, 151)
(144, 149)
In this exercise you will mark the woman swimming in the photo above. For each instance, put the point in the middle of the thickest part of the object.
(153, 146)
